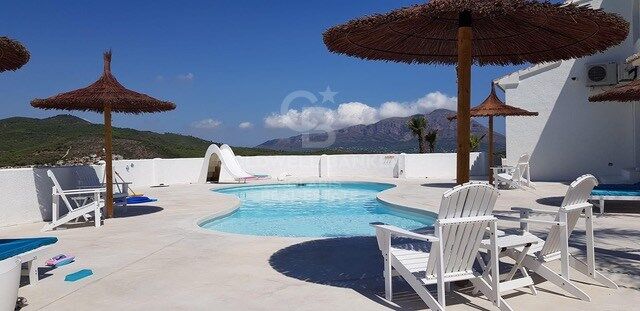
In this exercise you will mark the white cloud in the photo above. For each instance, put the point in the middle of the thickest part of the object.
(353, 113)
(306, 119)
(425, 104)
(186, 77)
(245, 125)
(206, 124)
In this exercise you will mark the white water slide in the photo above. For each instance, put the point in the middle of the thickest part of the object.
(231, 162)
(230, 169)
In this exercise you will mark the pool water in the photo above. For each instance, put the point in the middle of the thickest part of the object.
(313, 210)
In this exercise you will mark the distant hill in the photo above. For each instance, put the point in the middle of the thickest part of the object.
(389, 135)
(65, 139)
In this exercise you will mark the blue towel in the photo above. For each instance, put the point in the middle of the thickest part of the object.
(78, 275)
(140, 200)
(12, 247)
(136, 200)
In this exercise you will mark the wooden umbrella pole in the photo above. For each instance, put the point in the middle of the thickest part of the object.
(109, 159)
(490, 161)
(464, 96)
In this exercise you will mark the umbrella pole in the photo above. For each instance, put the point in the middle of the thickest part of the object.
(490, 161)
(464, 97)
(109, 159)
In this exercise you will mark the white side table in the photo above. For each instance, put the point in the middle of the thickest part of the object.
(507, 281)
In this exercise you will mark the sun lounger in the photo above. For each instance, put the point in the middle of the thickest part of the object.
(27, 250)
(622, 192)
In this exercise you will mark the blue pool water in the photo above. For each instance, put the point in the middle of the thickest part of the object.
(312, 210)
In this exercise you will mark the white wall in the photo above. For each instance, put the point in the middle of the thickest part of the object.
(275, 166)
(572, 136)
(26, 192)
(363, 165)
(150, 172)
(441, 165)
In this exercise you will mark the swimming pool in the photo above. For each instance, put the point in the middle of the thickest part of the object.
(312, 210)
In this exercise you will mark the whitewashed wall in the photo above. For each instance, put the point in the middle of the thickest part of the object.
(573, 136)
(26, 193)
(275, 166)
(150, 172)
(363, 165)
(441, 165)
(184, 171)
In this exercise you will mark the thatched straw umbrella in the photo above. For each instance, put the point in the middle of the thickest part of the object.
(487, 32)
(13, 54)
(629, 92)
(105, 96)
(494, 107)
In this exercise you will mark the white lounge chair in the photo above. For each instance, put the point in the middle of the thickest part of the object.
(74, 212)
(465, 214)
(517, 176)
(556, 246)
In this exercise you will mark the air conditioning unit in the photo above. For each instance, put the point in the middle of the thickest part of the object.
(602, 74)
(627, 72)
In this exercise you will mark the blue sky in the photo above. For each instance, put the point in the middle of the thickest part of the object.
(222, 62)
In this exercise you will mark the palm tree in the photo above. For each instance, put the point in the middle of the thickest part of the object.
(418, 126)
(475, 141)
(430, 137)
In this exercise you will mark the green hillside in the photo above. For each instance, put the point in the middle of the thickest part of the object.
(69, 139)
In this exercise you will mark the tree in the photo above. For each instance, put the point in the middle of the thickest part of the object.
(475, 141)
(418, 127)
(430, 137)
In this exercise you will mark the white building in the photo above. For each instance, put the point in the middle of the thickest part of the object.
(573, 136)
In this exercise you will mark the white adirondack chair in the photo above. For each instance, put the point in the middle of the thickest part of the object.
(465, 214)
(94, 206)
(556, 245)
(517, 176)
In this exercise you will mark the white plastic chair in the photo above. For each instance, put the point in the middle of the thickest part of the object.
(94, 206)
(517, 176)
(556, 246)
(465, 214)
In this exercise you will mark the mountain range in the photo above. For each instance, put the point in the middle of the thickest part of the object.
(66, 139)
(387, 135)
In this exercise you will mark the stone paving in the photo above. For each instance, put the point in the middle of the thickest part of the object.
(155, 257)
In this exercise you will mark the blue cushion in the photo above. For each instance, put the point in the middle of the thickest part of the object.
(12, 247)
(617, 190)
(616, 193)
(618, 187)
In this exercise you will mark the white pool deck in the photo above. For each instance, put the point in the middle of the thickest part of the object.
(157, 258)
